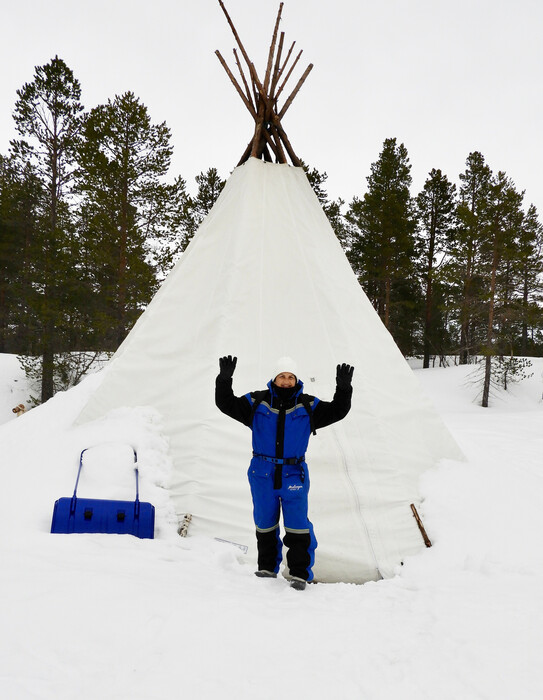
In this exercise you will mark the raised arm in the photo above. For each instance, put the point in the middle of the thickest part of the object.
(328, 412)
(237, 407)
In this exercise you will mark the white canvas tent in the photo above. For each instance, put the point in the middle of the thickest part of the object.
(265, 277)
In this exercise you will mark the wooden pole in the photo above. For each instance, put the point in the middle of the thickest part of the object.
(284, 138)
(246, 102)
(266, 152)
(295, 91)
(261, 98)
(286, 61)
(421, 526)
(247, 90)
(272, 50)
(241, 47)
(288, 75)
(246, 153)
(281, 157)
(277, 64)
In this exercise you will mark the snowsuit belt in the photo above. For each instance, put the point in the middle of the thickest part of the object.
(280, 460)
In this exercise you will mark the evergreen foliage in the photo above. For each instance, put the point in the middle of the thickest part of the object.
(90, 225)
(210, 185)
(125, 212)
(20, 197)
(435, 209)
(48, 112)
(506, 371)
(332, 208)
(465, 269)
(384, 247)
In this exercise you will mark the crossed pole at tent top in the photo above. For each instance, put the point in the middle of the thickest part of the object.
(261, 98)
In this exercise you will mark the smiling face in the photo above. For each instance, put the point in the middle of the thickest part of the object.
(285, 380)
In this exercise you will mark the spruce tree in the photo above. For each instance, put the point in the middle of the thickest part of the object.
(21, 195)
(47, 112)
(384, 246)
(127, 210)
(466, 273)
(210, 185)
(332, 208)
(504, 215)
(435, 206)
(528, 268)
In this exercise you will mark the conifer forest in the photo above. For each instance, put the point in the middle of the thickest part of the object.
(92, 219)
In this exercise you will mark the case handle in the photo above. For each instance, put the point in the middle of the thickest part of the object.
(74, 497)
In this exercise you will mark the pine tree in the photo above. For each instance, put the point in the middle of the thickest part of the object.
(384, 247)
(528, 269)
(435, 205)
(20, 199)
(465, 269)
(48, 113)
(332, 208)
(210, 185)
(504, 220)
(127, 211)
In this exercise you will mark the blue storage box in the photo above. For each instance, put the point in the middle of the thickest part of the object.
(75, 514)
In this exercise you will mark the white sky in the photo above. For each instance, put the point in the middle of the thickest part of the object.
(445, 78)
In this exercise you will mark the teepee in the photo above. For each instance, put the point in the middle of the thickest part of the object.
(266, 277)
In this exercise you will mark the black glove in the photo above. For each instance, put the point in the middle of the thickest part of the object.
(227, 366)
(344, 376)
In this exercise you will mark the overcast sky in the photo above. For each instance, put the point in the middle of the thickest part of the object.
(445, 78)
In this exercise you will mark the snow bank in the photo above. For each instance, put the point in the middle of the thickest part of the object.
(111, 616)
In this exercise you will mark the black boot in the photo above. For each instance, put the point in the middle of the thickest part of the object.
(268, 544)
(298, 584)
(298, 557)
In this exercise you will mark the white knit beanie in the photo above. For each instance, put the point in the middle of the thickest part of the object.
(285, 364)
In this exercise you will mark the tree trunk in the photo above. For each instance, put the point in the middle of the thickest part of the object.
(3, 319)
(121, 299)
(49, 325)
(486, 384)
(429, 292)
(465, 313)
(387, 303)
(490, 328)
(48, 362)
(524, 335)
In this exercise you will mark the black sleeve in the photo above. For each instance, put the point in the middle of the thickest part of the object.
(237, 407)
(328, 412)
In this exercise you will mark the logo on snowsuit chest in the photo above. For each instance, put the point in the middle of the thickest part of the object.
(294, 487)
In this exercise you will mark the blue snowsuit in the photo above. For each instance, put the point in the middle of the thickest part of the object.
(278, 476)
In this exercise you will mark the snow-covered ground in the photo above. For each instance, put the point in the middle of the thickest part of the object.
(115, 617)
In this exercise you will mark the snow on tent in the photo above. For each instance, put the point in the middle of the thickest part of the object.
(266, 277)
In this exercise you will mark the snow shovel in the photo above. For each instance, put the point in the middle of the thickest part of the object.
(79, 515)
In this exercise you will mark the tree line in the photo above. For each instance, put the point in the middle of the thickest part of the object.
(452, 270)
(91, 221)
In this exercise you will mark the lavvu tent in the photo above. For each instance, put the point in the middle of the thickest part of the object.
(265, 277)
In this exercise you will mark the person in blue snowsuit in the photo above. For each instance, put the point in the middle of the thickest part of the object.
(282, 419)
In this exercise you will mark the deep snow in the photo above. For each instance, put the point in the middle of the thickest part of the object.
(102, 616)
